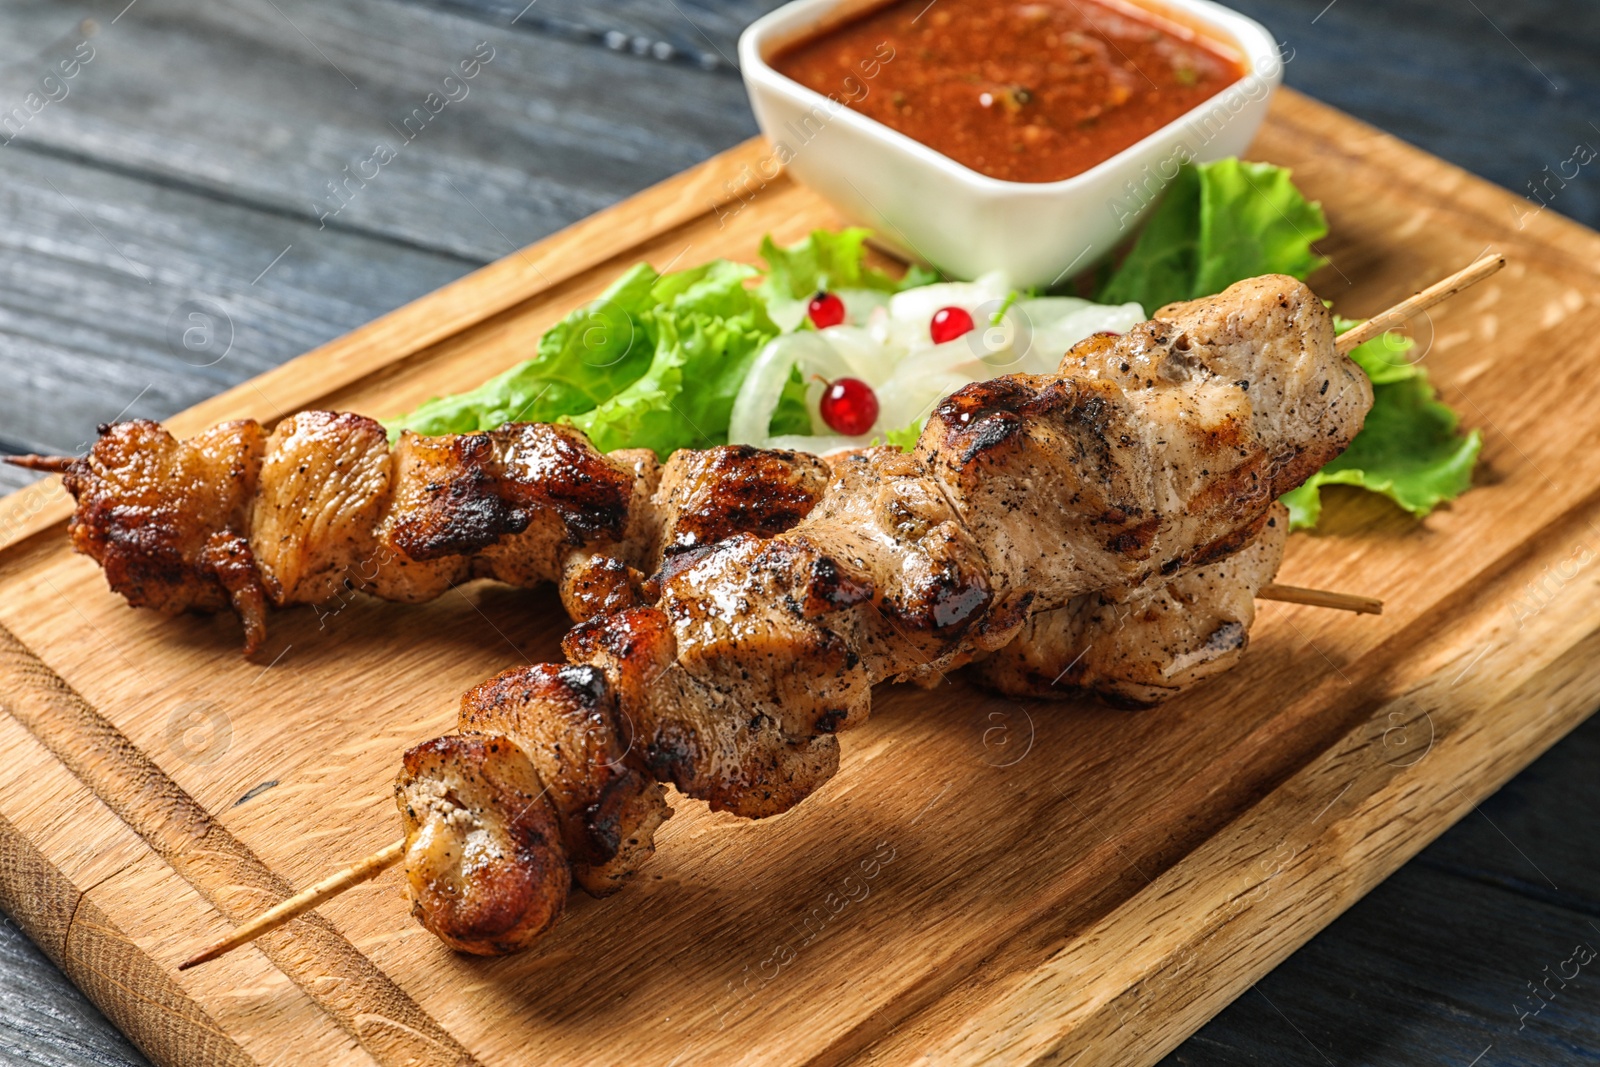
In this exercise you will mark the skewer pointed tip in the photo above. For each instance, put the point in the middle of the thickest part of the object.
(1443, 289)
(1321, 598)
(48, 464)
(301, 903)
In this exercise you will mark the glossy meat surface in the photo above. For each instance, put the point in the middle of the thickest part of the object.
(567, 722)
(325, 505)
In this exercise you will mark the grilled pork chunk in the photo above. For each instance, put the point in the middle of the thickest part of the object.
(163, 517)
(567, 722)
(485, 866)
(1149, 645)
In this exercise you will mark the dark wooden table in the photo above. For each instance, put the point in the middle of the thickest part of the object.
(189, 160)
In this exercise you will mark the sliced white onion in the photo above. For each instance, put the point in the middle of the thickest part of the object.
(905, 400)
(915, 307)
(859, 304)
(886, 343)
(870, 359)
(762, 388)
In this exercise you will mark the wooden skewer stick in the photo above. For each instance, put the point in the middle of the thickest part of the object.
(1433, 294)
(1321, 598)
(48, 464)
(302, 902)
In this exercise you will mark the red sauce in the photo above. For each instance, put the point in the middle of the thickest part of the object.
(1032, 91)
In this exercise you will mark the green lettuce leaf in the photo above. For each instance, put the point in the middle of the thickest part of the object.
(1218, 223)
(708, 327)
(905, 438)
(655, 363)
(825, 261)
(584, 359)
(1411, 449)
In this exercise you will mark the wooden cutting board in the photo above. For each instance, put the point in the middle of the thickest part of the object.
(985, 881)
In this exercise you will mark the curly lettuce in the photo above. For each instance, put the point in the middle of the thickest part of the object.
(825, 261)
(707, 327)
(1219, 223)
(1411, 449)
(583, 360)
(655, 363)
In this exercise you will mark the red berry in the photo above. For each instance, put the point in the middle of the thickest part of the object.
(825, 310)
(849, 406)
(949, 323)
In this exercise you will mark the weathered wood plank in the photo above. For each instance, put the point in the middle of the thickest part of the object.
(44, 1020)
(1503, 88)
(342, 113)
(100, 275)
(701, 32)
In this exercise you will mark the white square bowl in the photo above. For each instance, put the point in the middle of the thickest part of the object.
(927, 207)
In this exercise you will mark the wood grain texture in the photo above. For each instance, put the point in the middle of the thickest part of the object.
(99, 858)
(122, 327)
(1504, 88)
(192, 150)
(1108, 892)
(267, 104)
(383, 1019)
(700, 32)
(1433, 966)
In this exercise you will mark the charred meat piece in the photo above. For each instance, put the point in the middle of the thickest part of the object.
(692, 732)
(710, 495)
(703, 497)
(321, 491)
(566, 720)
(163, 517)
(484, 863)
(1148, 452)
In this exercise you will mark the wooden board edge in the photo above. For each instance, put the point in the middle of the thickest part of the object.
(1557, 237)
(1306, 851)
(1256, 924)
(384, 1020)
(433, 318)
(124, 884)
(104, 963)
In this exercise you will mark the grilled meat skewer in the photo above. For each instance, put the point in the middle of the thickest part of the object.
(1150, 458)
(323, 504)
